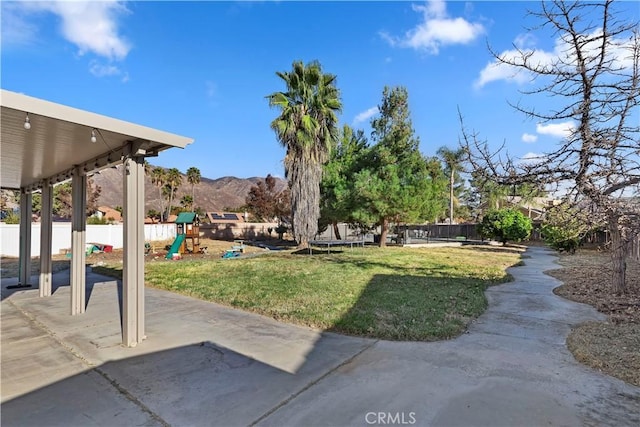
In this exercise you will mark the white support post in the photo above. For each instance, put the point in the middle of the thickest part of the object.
(46, 213)
(133, 260)
(78, 241)
(24, 264)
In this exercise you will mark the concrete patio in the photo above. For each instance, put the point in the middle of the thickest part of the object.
(203, 365)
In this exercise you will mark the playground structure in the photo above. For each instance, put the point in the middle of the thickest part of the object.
(187, 229)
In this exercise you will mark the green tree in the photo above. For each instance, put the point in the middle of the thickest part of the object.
(154, 214)
(453, 160)
(159, 179)
(187, 202)
(337, 190)
(306, 127)
(147, 168)
(173, 182)
(36, 203)
(438, 190)
(395, 184)
(487, 194)
(505, 225)
(193, 178)
(62, 200)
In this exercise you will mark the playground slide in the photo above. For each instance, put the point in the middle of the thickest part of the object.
(175, 247)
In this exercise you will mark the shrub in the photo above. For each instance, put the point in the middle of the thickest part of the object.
(12, 218)
(281, 229)
(505, 225)
(94, 220)
(560, 238)
(564, 228)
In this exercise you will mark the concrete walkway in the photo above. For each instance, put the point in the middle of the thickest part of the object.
(207, 365)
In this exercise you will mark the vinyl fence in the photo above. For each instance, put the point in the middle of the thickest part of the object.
(111, 234)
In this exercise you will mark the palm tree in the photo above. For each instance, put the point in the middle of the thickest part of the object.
(147, 168)
(453, 163)
(174, 179)
(193, 177)
(187, 202)
(306, 127)
(159, 179)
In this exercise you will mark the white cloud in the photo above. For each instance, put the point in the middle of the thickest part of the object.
(102, 70)
(496, 70)
(528, 138)
(436, 30)
(558, 130)
(90, 25)
(107, 70)
(562, 56)
(365, 115)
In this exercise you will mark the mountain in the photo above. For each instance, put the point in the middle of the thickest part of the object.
(213, 195)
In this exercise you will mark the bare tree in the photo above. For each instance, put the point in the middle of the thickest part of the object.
(595, 76)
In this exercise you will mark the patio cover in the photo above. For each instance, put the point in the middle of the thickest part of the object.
(58, 147)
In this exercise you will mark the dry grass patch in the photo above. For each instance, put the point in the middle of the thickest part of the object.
(10, 266)
(612, 347)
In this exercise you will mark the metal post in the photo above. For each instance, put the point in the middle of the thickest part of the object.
(78, 241)
(24, 264)
(45, 239)
(133, 261)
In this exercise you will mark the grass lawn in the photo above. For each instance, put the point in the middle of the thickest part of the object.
(394, 293)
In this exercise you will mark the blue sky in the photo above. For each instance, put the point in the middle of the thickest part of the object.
(203, 69)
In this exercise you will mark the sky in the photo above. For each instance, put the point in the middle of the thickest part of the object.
(203, 69)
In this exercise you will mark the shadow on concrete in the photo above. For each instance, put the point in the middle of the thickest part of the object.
(203, 383)
(195, 384)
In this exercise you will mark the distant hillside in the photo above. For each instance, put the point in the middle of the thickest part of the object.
(210, 194)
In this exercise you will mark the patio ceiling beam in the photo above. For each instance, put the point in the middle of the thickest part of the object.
(95, 164)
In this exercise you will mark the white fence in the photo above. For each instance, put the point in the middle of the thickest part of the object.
(106, 234)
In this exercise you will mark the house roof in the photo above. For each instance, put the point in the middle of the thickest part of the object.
(225, 217)
(59, 141)
(110, 213)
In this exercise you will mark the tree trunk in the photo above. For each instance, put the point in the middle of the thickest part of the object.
(618, 257)
(451, 199)
(161, 204)
(193, 197)
(170, 203)
(303, 242)
(336, 231)
(306, 174)
(384, 229)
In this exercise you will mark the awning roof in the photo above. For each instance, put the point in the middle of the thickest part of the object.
(186, 218)
(60, 140)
